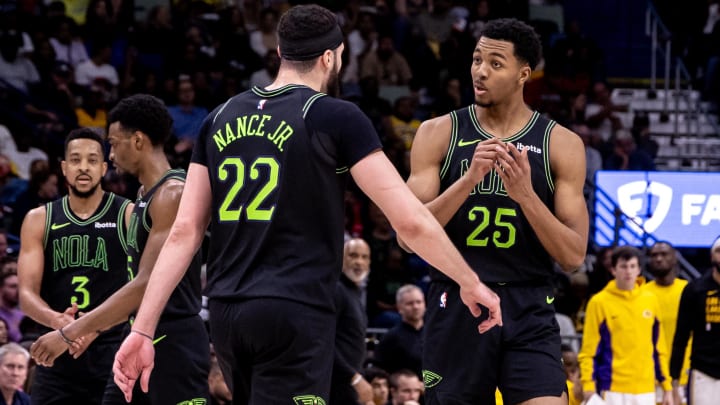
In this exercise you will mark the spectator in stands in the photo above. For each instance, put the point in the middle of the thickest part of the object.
(388, 66)
(9, 310)
(14, 360)
(378, 379)
(42, 188)
(10, 187)
(572, 371)
(667, 287)
(8, 264)
(593, 163)
(699, 316)
(187, 117)
(405, 388)
(266, 75)
(403, 121)
(348, 385)
(57, 94)
(98, 67)
(27, 150)
(153, 40)
(264, 38)
(479, 16)
(600, 112)
(387, 270)
(601, 272)
(16, 69)
(641, 133)
(626, 155)
(401, 347)
(623, 349)
(66, 42)
(92, 112)
(360, 41)
(4, 339)
(3, 243)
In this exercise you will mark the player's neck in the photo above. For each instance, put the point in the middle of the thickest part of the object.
(286, 77)
(84, 207)
(153, 168)
(504, 119)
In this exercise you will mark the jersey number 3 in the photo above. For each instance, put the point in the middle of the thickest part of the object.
(84, 300)
(253, 210)
(501, 239)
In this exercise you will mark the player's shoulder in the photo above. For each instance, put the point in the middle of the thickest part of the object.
(435, 130)
(170, 189)
(562, 134)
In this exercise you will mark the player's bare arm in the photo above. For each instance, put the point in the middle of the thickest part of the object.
(416, 226)
(30, 273)
(118, 307)
(51, 345)
(564, 233)
(429, 150)
(135, 358)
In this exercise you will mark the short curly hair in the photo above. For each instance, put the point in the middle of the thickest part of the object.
(524, 38)
(144, 113)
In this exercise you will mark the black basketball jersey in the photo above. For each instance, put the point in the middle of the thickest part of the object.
(84, 258)
(490, 229)
(278, 162)
(185, 299)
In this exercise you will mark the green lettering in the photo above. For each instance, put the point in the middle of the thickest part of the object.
(251, 130)
(282, 136)
(260, 130)
(241, 127)
(219, 141)
(229, 135)
(101, 257)
(59, 256)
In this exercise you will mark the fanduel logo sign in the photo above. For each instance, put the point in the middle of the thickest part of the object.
(633, 196)
(680, 207)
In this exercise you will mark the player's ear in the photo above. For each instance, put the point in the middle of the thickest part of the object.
(525, 73)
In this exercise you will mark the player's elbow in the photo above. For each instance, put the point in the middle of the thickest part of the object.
(572, 263)
(407, 228)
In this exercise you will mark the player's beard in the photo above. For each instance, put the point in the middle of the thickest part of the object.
(332, 87)
(84, 194)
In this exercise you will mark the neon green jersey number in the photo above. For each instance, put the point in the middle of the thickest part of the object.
(253, 211)
(503, 237)
(84, 299)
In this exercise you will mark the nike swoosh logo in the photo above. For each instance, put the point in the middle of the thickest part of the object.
(55, 227)
(713, 292)
(156, 341)
(549, 299)
(463, 142)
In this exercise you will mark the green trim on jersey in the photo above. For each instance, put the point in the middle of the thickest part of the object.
(515, 137)
(546, 155)
(121, 225)
(310, 102)
(453, 142)
(48, 220)
(71, 216)
(276, 92)
(176, 174)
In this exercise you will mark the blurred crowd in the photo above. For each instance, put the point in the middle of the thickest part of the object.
(406, 61)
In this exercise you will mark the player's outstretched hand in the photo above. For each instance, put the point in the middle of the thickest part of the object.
(47, 348)
(480, 295)
(134, 359)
